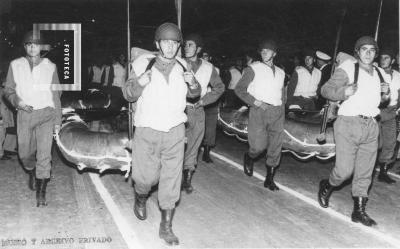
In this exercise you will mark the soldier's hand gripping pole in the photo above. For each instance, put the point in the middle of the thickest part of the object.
(321, 138)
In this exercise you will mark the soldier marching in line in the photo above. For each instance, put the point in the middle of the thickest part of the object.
(160, 84)
(208, 77)
(362, 87)
(262, 88)
(388, 126)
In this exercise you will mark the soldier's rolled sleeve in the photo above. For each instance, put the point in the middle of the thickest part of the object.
(132, 90)
(335, 87)
(243, 84)
(56, 98)
(9, 89)
(217, 89)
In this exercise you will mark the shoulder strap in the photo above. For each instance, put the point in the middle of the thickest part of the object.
(153, 60)
(356, 72)
(151, 63)
(379, 74)
(183, 67)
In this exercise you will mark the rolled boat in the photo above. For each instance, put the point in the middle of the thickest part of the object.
(93, 149)
(94, 103)
(302, 129)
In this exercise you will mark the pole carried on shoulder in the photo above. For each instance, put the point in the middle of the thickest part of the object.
(130, 105)
(321, 139)
(378, 21)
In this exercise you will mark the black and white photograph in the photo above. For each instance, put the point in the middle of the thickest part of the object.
(149, 124)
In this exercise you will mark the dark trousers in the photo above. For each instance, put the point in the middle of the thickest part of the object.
(194, 135)
(35, 138)
(387, 134)
(211, 117)
(356, 141)
(157, 157)
(265, 131)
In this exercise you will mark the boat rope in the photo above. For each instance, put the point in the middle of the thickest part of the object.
(304, 143)
(308, 155)
(328, 156)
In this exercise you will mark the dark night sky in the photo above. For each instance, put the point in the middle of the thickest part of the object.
(229, 26)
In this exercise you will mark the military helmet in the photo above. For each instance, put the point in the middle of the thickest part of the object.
(365, 40)
(268, 44)
(388, 51)
(31, 37)
(196, 38)
(168, 31)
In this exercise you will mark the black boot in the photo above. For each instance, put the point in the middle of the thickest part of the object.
(206, 154)
(32, 179)
(140, 206)
(269, 179)
(248, 164)
(187, 181)
(359, 214)
(41, 185)
(165, 231)
(324, 193)
(383, 174)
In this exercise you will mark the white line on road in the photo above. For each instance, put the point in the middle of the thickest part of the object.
(126, 231)
(394, 175)
(394, 242)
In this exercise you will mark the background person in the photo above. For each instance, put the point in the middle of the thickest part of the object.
(28, 88)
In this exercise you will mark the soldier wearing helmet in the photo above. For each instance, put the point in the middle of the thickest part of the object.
(211, 89)
(160, 84)
(211, 118)
(362, 87)
(262, 88)
(28, 88)
(387, 139)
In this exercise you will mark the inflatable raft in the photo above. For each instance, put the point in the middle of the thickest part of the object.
(302, 129)
(93, 149)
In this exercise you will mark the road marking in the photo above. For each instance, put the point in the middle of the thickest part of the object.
(394, 242)
(394, 175)
(126, 231)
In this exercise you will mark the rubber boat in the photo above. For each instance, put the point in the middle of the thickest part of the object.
(302, 129)
(93, 149)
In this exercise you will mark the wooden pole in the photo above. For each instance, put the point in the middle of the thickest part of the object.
(178, 7)
(338, 34)
(378, 21)
(321, 139)
(130, 105)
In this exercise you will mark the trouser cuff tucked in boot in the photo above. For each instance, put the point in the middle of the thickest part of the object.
(165, 231)
(324, 193)
(206, 154)
(187, 181)
(383, 173)
(139, 208)
(41, 185)
(248, 164)
(359, 214)
(269, 178)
